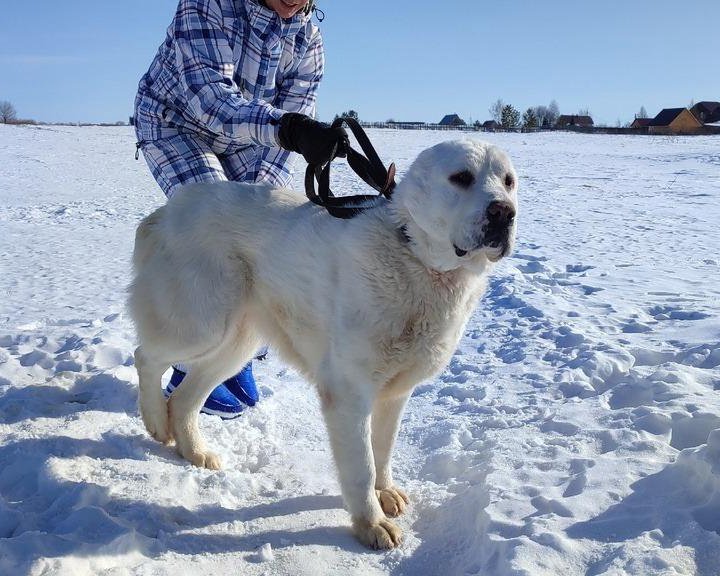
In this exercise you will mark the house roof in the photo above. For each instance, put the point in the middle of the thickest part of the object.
(641, 122)
(572, 120)
(451, 119)
(707, 111)
(706, 106)
(666, 116)
(490, 124)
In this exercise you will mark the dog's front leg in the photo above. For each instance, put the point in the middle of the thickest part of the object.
(347, 415)
(386, 416)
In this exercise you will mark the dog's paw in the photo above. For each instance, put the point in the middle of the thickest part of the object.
(203, 459)
(393, 501)
(383, 535)
(162, 435)
(157, 425)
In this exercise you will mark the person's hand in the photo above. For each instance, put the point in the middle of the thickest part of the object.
(316, 141)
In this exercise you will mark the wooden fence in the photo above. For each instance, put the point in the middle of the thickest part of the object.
(705, 130)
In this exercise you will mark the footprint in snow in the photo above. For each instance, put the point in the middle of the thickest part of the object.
(564, 428)
(578, 268)
(71, 342)
(664, 312)
(37, 358)
(578, 478)
(7, 341)
(458, 367)
(644, 418)
(549, 506)
(512, 353)
(532, 267)
(567, 338)
(461, 393)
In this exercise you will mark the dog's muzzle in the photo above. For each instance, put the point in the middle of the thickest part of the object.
(498, 222)
(500, 218)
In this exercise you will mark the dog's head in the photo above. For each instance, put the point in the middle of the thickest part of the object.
(458, 203)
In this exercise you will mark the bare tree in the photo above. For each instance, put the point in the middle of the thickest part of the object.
(584, 112)
(496, 110)
(553, 113)
(643, 113)
(7, 112)
(541, 115)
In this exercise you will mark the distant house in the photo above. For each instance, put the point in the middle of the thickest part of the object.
(567, 121)
(641, 123)
(706, 112)
(674, 121)
(490, 125)
(452, 120)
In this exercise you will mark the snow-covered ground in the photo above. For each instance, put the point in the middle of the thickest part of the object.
(576, 430)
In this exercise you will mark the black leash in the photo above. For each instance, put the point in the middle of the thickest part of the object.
(369, 167)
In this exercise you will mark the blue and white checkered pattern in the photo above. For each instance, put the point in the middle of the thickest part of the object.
(185, 158)
(226, 73)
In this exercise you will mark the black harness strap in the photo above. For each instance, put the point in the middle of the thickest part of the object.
(369, 167)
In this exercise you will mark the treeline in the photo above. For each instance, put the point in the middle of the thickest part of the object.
(509, 117)
(8, 114)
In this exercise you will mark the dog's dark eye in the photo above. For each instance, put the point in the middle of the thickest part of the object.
(464, 179)
(509, 181)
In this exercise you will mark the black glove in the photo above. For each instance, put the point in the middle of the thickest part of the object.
(316, 141)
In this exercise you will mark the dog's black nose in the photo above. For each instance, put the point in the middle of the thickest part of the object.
(500, 215)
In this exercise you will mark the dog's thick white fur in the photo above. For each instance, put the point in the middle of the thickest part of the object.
(365, 308)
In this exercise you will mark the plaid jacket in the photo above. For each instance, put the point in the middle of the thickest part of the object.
(227, 71)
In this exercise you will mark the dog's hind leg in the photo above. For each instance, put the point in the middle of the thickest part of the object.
(347, 411)
(386, 416)
(203, 376)
(151, 402)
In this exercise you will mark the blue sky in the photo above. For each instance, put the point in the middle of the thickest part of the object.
(80, 60)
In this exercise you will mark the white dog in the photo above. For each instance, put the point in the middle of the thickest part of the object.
(366, 308)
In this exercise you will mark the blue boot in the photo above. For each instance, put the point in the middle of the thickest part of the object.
(243, 387)
(221, 401)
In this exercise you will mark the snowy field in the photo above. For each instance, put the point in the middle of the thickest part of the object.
(576, 430)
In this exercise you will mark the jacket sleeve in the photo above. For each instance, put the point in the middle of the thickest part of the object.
(297, 93)
(205, 64)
